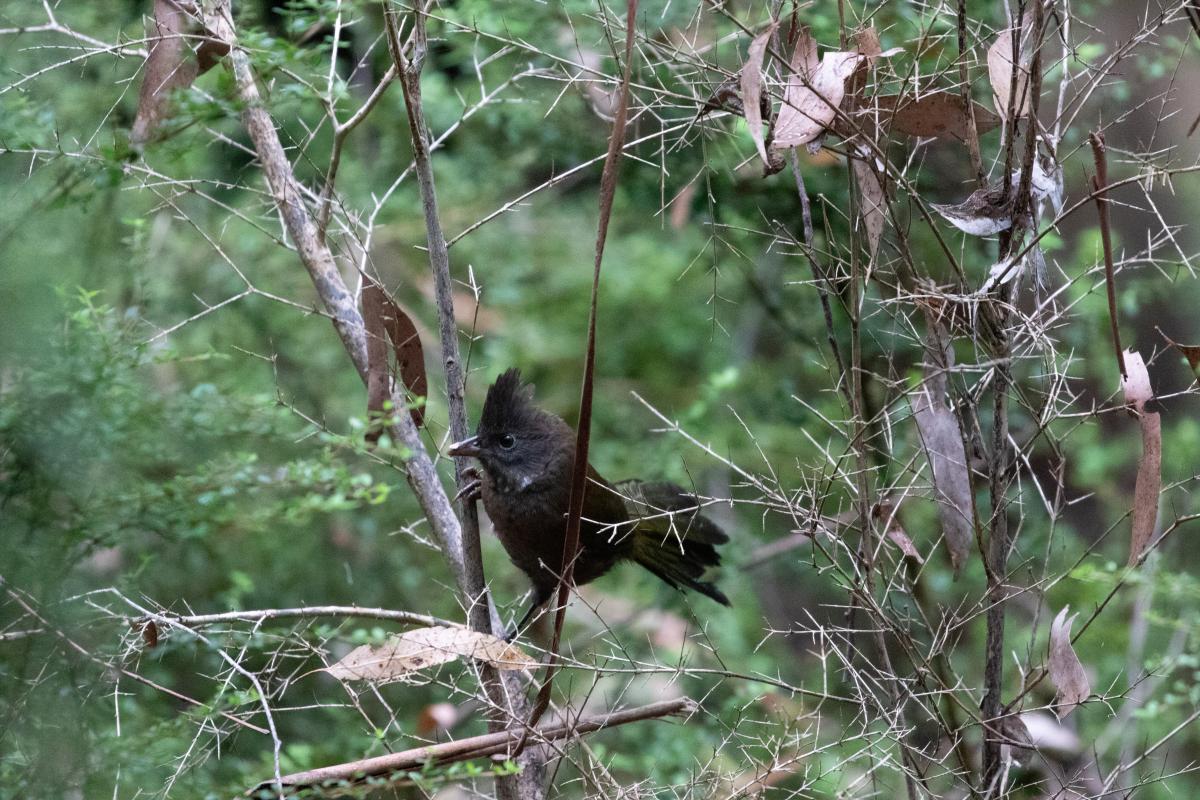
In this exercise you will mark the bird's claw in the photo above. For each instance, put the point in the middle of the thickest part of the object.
(472, 489)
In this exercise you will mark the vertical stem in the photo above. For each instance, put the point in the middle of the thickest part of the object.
(439, 262)
(504, 692)
(1001, 463)
(1099, 186)
(964, 80)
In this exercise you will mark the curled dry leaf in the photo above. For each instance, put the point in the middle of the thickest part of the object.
(943, 442)
(1189, 351)
(751, 82)
(417, 649)
(888, 514)
(873, 203)
(170, 65)
(1066, 670)
(385, 320)
(1136, 386)
(814, 92)
(150, 634)
(1000, 72)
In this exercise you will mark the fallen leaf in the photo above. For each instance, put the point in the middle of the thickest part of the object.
(1064, 666)
(1000, 72)
(751, 82)
(417, 649)
(385, 320)
(170, 65)
(872, 202)
(943, 443)
(814, 92)
(1189, 351)
(1146, 488)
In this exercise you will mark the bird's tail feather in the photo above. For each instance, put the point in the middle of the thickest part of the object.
(672, 539)
(679, 568)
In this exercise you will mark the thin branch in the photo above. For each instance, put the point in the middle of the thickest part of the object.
(473, 747)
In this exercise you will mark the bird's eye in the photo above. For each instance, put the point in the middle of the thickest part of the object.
(507, 441)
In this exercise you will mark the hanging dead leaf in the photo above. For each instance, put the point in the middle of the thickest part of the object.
(866, 43)
(1000, 72)
(943, 443)
(887, 514)
(170, 65)
(873, 202)
(150, 634)
(814, 92)
(1189, 351)
(937, 114)
(1146, 488)
(417, 649)
(751, 82)
(385, 320)
(1066, 670)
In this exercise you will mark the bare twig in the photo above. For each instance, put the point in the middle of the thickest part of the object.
(473, 747)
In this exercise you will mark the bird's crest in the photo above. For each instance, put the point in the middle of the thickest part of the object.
(509, 404)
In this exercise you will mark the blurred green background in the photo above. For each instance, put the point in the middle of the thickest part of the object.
(220, 466)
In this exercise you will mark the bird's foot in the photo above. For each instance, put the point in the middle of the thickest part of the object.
(472, 489)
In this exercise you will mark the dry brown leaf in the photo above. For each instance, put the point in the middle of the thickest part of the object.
(887, 513)
(937, 114)
(943, 443)
(169, 66)
(150, 634)
(866, 42)
(1189, 351)
(1000, 72)
(751, 82)
(808, 110)
(681, 207)
(385, 320)
(417, 649)
(1066, 670)
(873, 202)
(1146, 488)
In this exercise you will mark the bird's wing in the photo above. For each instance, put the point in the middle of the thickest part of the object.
(669, 510)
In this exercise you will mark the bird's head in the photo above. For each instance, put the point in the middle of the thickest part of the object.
(516, 442)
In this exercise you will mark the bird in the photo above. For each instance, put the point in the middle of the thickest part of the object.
(526, 455)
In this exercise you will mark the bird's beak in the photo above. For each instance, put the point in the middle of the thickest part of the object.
(467, 447)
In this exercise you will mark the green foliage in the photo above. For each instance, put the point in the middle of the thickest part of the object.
(212, 458)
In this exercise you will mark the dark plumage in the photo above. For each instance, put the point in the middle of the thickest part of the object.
(526, 455)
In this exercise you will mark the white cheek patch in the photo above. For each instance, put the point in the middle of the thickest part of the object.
(524, 482)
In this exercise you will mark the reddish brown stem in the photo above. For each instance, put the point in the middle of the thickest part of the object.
(1099, 188)
(608, 187)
